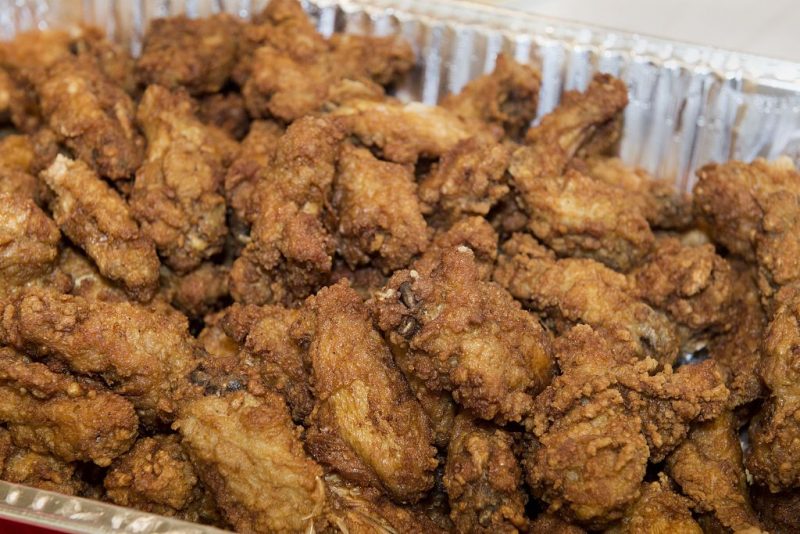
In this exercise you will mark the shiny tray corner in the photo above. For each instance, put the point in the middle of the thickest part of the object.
(689, 105)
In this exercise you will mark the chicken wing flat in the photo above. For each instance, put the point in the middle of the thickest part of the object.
(177, 193)
(193, 54)
(92, 116)
(51, 413)
(147, 359)
(248, 453)
(156, 476)
(659, 509)
(507, 97)
(28, 242)
(468, 180)
(263, 333)
(198, 292)
(483, 479)
(378, 213)
(574, 290)
(43, 471)
(709, 469)
(774, 455)
(691, 284)
(599, 423)
(290, 251)
(96, 218)
(657, 200)
(466, 336)
(570, 212)
(366, 423)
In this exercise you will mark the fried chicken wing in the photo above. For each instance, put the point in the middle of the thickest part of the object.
(466, 336)
(691, 284)
(43, 471)
(709, 469)
(96, 218)
(778, 242)
(144, 354)
(290, 251)
(657, 200)
(248, 453)
(658, 511)
(156, 476)
(366, 424)
(574, 290)
(474, 233)
(378, 213)
(92, 116)
(51, 413)
(507, 97)
(599, 423)
(177, 193)
(468, 180)
(483, 479)
(193, 54)
(570, 212)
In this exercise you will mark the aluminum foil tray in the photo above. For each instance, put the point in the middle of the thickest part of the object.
(689, 105)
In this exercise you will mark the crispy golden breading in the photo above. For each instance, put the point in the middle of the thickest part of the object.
(92, 116)
(658, 511)
(248, 453)
(193, 54)
(86, 280)
(778, 242)
(383, 60)
(28, 242)
(53, 413)
(225, 111)
(466, 336)
(96, 218)
(289, 255)
(546, 523)
(709, 469)
(366, 424)
(483, 479)
(468, 180)
(570, 212)
(507, 97)
(575, 290)
(608, 413)
(144, 354)
(177, 193)
(691, 284)
(773, 458)
(16, 158)
(156, 476)
(114, 60)
(403, 133)
(657, 200)
(23, 466)
(472, 232)
(365, 280)
(197, 292)
(379, 219)
(263, 333)
(737, 350)
(779, 512)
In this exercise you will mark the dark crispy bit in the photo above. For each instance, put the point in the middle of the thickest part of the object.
(92, 116)
(96, 218)
(466, 335)
(51, 413)
(194, 54)
(197, 292)
(507, 97)
(226, 111)
(483, 479)
(177, 195)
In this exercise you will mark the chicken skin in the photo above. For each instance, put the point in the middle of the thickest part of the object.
(96, 218)
(177, 195)
(248, 453)
(570, 212)
(599, 423)
(466, 336)
(483, 479)
(51, 413)
(572, 291)
(147, 360)
(366, 424)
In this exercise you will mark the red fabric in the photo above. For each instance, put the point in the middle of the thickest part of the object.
(12, 527)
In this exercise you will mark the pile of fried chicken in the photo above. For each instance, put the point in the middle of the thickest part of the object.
(242, 285)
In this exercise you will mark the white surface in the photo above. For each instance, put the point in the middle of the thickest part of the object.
(765, 27)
